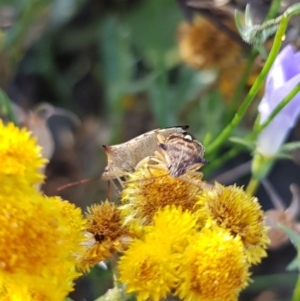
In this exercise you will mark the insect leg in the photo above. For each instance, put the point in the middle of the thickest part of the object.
(199, 184)
(160, 138)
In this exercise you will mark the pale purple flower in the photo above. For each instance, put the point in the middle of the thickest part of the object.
(282, 78)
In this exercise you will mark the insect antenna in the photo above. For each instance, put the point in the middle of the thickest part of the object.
(83, 181)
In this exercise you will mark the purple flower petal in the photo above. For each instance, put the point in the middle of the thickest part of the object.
(292, 109)
(272, 137)
(282, 78)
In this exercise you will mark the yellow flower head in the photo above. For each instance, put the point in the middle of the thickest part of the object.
(53, 285)
(172, 226)
(104, 224)
(233, 209)
(40, 242)
(202, 45)
(20, 156)
(35, 234)
(149, 190)
(149, 269)
(213, 267)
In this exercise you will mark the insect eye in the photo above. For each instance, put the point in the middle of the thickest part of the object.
(188, 137)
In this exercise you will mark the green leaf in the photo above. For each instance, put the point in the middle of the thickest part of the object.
(289, 147)
(117, 59)
(293, 236)
(238, 23)
(283, 156)
(294, 265)
(115, 294)
(248, 144)
(153, 29)
(248, 19)
(6, 111)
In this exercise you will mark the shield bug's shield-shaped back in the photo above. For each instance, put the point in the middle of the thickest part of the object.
(182, 153)
(124, 157)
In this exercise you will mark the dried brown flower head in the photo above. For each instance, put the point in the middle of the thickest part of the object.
(203, 46)
(106, 232)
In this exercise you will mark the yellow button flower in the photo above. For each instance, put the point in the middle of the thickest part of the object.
(233, 209)
(149, 267)
(20, 156)
(40, 238)
(213, 267)
(149, 190)
(173, 226)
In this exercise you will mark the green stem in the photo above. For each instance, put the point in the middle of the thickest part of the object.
(223, 136)
(242, 83)
(252, 186)
(273, 11)
(296, 294)
(253, 54)
(220, 160)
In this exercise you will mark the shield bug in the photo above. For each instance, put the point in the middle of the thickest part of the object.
(124, 157)
(181, 155)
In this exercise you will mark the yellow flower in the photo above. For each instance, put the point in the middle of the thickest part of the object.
(108, 235)
(213, 267)
(20, 156)
(149, 190)
(172, 226)
(149, 269)
(53, 285)
(40, 238)
(233, 209)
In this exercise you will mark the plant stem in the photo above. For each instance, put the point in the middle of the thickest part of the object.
(242, 83)
(252, 186)
(233, 152)
(273, 9)
(223, 136)
(218, 161)
(296, 294)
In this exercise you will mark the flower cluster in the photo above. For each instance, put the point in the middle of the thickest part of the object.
(176, 237)
(40, 236)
